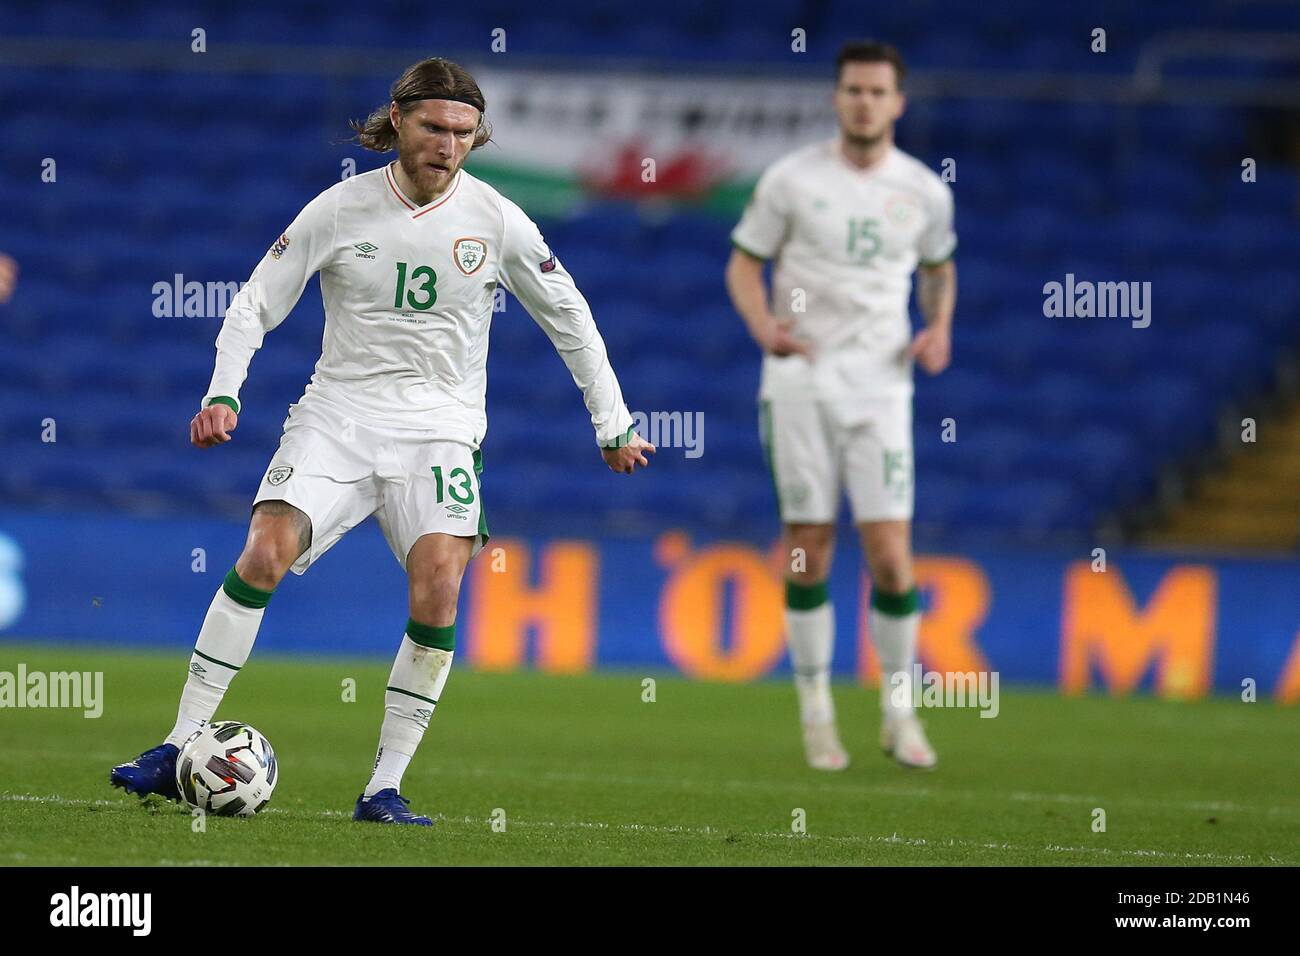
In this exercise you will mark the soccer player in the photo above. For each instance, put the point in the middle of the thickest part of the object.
(390, 425)
(846, 222)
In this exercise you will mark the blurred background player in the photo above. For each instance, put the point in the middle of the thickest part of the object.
(846, 223)
(8, 277)
(410, 255)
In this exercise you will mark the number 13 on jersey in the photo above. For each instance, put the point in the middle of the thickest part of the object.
(419, 297)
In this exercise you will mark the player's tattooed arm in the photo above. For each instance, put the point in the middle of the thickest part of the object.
(936, 293)
(8, 277)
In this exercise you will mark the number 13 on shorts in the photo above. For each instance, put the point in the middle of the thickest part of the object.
(460, 486)
(445, 498)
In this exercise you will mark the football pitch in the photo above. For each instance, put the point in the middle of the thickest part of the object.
(531, 769)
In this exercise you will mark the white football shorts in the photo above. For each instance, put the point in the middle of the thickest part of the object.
(339, 472)
(816, 448)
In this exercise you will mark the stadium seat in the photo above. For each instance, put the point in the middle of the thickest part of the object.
(1048, 440)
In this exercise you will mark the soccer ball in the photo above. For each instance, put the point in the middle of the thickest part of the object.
(227, 768)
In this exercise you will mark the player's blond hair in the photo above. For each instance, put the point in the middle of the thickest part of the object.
(432, 79)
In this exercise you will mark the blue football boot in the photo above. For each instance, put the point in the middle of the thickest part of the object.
(154, 771)
(387, 806)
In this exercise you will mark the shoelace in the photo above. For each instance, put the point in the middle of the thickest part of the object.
(394, 811)
(146, 760)
(405, 803)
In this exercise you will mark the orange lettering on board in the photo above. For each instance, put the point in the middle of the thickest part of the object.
(692, 604)
(1288, 688)
(561, 608)
(1101, 624)
(959, 602)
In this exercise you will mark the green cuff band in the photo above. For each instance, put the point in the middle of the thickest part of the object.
(626, 439)
(443, 638)
(244, 594)
(225, 400)
(895, 605)
(805, 597)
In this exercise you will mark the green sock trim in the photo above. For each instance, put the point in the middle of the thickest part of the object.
(398, 690)
(213, 660)
(805, 597)
(443, 638)
(895, 605)
(244, 594)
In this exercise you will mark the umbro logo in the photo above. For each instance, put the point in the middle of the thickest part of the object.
(364, 249)
(457, 511)
(197, 669)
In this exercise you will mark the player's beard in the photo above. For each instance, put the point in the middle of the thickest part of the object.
(863, 140)
(425, 178)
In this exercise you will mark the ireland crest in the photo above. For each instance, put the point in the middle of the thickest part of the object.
(469, 254)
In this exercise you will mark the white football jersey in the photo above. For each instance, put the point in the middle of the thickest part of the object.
(408, 293)
(845, 243)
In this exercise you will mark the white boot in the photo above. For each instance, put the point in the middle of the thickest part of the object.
(902, 738)
(821, 744)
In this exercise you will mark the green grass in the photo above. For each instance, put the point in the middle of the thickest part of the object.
(708, 774)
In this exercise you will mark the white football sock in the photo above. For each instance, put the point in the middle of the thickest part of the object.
(414, 686)
(895, 640)
(225, 641)
(389, 766)
(812, 643)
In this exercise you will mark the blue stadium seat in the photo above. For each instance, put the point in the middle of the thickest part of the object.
(1059, 421)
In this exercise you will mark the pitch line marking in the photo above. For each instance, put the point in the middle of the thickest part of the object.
(719, 831)
(888, 790)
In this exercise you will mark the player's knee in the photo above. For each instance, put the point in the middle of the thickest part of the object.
(266, 559)
(811, 547)
(813, 570)
(434, 592)
(278, 534)
(892, 573)
(258, 569)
